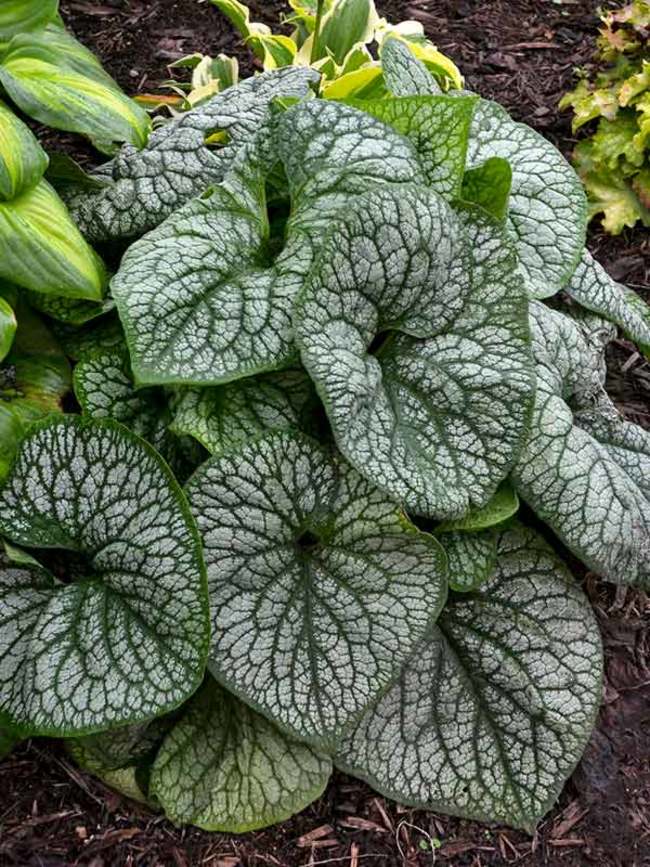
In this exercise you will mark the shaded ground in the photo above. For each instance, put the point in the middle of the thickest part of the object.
(52, 815)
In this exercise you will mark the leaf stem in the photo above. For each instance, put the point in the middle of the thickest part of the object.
(317, 27)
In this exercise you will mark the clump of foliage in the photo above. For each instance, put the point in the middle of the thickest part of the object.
(44, 259)
(358, 333)
(614, 161)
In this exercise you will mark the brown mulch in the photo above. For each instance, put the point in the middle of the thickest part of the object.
(523, 53)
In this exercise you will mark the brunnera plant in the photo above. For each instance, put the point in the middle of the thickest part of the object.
(360, 334)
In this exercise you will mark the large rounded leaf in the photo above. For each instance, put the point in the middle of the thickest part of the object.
(494, 708)
(318, 584)
(176, 164)
(548, 206)
(585, 470)
(224, 767)
(202, 298)
(22, 160)
(122, 636)
(437, 421)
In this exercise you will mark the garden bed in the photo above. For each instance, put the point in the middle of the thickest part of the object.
(523, 54)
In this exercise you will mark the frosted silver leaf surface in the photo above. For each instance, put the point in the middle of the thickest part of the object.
(318, 583)
(547, 212)
(493, 710)
(202, 300)
(584, 470)
(437, 413)
(124, 635)
(145, 186)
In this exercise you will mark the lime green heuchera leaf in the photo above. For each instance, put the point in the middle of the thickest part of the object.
(176, 165)
(18, 16)
(22, 160)
(584, 470)
(303, 556)
(435, 415)
(593, 288)
(438, 127)
(34, 378)
(224, 767)
(124, 636)
(547, 211)
(202, 298)
(42, 249)
(8, 327)
(222, 417)
(493, 710)
(50, 77)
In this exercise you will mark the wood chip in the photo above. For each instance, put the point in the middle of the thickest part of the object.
(354, 855)
(308, 838)
(360, 824)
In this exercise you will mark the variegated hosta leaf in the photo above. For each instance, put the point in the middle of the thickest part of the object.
(471, 557)
(318, 583)
(176, 164)
(584, 470)
(57, 81)
(404, 74)
(494, 708)
(437, 422)
(22, 160)
(17, 16)
(593, 288)
(220, 418)
(8, 326)
(225, 767)
(41, 248)
(104, 388)
(547, 211)
(438, 127)
(123, 635)
(201, 297)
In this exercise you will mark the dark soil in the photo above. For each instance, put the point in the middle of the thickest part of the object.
(522, 53)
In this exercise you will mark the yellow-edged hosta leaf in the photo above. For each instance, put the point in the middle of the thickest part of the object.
(17, 16)
(274, 51)
(348, 23)
(63, 89)
(42, 249)
(364, 83)
(22, 160)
